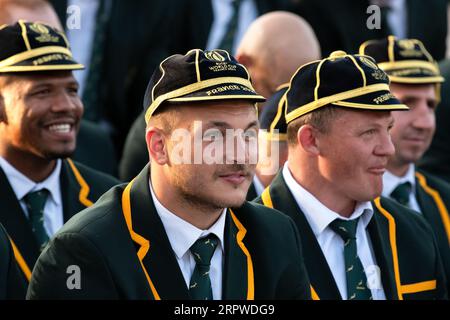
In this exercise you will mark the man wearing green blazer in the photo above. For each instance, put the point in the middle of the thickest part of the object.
(40, 112)
(182, 228)
(357, 246)
(415, 80)
(12, 283)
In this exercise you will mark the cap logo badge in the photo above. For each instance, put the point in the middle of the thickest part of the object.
(368, 62)
(408, 48)
(214, 56)
(44, 33)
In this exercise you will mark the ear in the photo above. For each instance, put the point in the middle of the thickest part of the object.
(156, 145)
(244, 59)
(2, 109)
(307, 139)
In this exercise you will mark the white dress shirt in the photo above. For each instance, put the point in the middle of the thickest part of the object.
(390, 182)
(319, 218)
(259, 187)
(222, 12)
(182, 235)
(22, 185)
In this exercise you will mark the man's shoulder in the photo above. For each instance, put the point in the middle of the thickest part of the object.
(92, 176)
(430, 180)
(406, 220)
(99, 220)
(259, 216)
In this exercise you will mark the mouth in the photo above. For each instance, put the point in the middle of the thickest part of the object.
(235, 178)
(379, 170)
(64, 128)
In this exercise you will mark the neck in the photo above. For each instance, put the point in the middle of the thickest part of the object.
(265, 179)
(396, 168)
(323, 191)
(202, 217)
(33, 167)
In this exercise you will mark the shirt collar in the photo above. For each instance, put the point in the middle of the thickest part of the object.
(259, 187)
(22, 185)
(391, 181)
(181, 233)
(317, 214)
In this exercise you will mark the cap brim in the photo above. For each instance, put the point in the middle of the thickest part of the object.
(221, 91)
(45, 62)
(382, 100)
(418, 78)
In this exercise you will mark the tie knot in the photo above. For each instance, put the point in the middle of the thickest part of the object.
(346, 229)
(203, 249)
(35, 201)
(401, 193)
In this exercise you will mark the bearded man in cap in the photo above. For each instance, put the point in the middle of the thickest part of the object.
(40, 111)
(182, 228)
(415, 81)
(357, 246)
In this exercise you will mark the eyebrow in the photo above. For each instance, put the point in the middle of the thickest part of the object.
(222, 124)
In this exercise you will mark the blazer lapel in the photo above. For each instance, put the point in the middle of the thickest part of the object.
(16, 223)
(70, 192)
(320, 275)
(159, 261)
(235, 274)
(379, 235)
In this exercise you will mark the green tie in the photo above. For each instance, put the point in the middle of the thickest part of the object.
(355, 275)
(228, 38)
(200, 285)
(91, 91)
(401, 193)
(35, 202)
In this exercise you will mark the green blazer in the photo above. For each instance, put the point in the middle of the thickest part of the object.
(12, 283)
(80, 188)
(433, 196)
(123, 252)
(404, 247)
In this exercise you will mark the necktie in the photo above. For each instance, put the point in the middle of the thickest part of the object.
(228, 38)
(401, 193)
(35, 202)
(355, 276)
(200, 285)
(90, 94)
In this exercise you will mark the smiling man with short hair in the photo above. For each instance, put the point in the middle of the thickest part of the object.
(40, 113)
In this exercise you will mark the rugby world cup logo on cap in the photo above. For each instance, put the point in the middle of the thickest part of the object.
(368, 62)
(44, 33)
(214, 56)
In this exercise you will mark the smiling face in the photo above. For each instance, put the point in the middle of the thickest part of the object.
(40, 114)
(414, 129)
(353, 153)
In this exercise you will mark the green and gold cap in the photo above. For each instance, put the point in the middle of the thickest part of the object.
(404, 60)
(198, 76)
(33, 46)
(271, 120)
(344, 80)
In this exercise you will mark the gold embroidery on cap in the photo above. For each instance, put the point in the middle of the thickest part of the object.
(214, 56)
(368, 62)
(45, 35)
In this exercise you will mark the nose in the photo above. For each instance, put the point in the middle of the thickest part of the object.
(64, 102)
(385, 147)
(240, 150)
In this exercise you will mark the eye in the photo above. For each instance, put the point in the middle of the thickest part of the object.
(370, 132)
(41, 92)
(250, 134)
(73, 90)
(212, 135)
